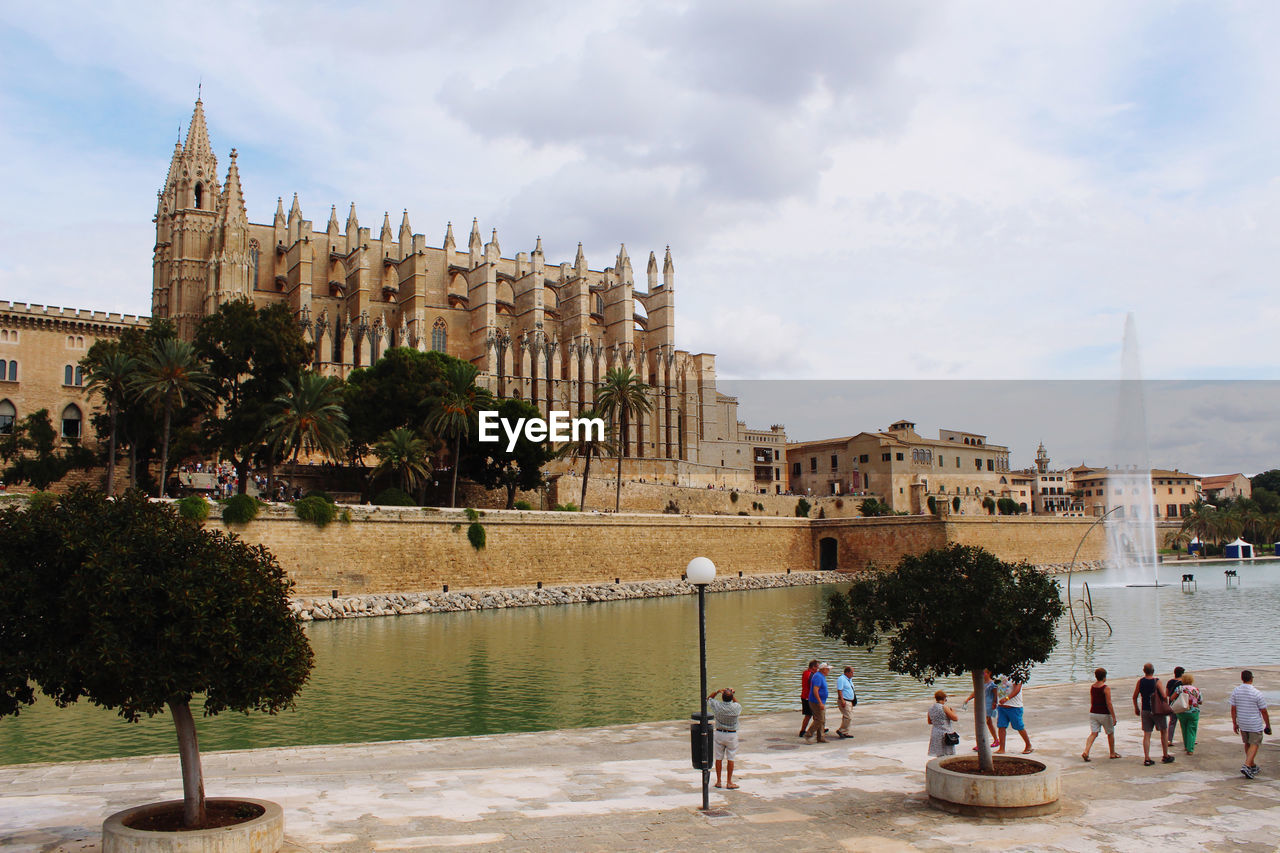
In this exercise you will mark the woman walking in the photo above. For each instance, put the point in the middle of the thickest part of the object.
(1102, 715)
(941, 716)
(1190, 718)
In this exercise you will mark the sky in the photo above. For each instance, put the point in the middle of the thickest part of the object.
(859, 190)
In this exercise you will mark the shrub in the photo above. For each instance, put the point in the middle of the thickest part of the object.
(42, 501)
(802, 508)
(394, 497)
(933, 505)
(523, 505)
(733, 496)
(240, 509)
(472, 515)
(672, 508)
(319, 493)
(475, 535)
(316, 510)
(569, 507)
(345, 516)
(193, 508)
(743, 512)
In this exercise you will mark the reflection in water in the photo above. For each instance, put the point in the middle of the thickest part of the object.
(541, 668)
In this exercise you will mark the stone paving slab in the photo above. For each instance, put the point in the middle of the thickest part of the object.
(626, 788)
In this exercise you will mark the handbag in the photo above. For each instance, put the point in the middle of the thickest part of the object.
(1160, 704)
(1181, 702)
(951, 738)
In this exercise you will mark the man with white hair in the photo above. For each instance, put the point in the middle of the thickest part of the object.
(818, 703)
(725, 739)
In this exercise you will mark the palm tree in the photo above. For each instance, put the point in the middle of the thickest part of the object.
(458, 406)
(111, 376)
(170, 376)
(621, 396)
(587, 448)
(402, 451)
(308, 416)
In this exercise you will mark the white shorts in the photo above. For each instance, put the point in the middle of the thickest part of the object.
(726, 746)
(1100, 723)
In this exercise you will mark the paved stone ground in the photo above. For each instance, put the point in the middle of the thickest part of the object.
(631, 788)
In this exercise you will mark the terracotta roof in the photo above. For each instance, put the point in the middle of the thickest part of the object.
(1219, 481)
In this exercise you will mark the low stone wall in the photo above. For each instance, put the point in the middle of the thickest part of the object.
(395, 604)
(658, 496)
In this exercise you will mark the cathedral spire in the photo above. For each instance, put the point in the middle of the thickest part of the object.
(385, 235)
(537, 248)
(279, 220)
(352, 220)
(295, 211)
(232, 196)
(668, 270)
(493, 242)
(449, 244)
(332, 228)
(197, 144)
(474, 242)
(652, 271)
(580, 262)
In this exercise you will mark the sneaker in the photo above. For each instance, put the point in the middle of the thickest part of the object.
(1247, 771)
(1255, 768)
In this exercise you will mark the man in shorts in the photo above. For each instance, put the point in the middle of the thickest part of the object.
(1250, 720)
(725, 739)
(1009, 713)
(804, 696)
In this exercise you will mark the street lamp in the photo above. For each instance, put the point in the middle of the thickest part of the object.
(701, 572)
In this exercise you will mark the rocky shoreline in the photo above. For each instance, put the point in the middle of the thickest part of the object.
(319, 609)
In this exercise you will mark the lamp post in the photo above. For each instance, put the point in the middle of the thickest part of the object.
(701, 572)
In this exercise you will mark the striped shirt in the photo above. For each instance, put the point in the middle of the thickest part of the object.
(1248, 702)
(726, 714)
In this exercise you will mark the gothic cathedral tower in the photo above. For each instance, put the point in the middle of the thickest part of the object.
(202, 234)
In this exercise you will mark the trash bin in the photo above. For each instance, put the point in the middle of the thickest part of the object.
(700, 743)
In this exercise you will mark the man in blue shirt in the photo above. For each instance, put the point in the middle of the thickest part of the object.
(818, 703)
(845, 697)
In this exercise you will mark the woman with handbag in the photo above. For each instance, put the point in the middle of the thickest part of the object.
(1186, 704)
(942, 738)
(1155, 713)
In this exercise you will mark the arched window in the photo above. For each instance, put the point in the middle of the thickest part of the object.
(68, 374)
(199, 196)
(600, 305)
(71, 422)
(439, 335)
(7, 415)
(3, 373)
(254, 251)
(13, 371)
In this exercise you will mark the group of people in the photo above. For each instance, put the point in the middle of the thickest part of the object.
(1162, 707)
(815, 697)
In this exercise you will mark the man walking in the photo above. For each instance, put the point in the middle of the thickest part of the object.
(804, 695)
(818, 703)
(725, 740)
(846, 698)
(1249, 718)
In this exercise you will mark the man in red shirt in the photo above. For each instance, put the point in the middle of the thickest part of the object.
(804, 695)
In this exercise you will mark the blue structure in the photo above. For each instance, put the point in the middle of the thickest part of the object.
(1238, 550)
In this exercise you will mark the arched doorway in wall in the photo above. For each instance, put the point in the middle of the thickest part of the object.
(828, 554)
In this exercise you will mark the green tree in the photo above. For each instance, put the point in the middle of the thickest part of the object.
(31, 447)
(171, 377)
(308, 415)
(401, 389)
(1269, 480)
(872, 507)
(126, 604)
(950, 611)
(622, 396)
(456, 410)
(492, 465)
(405, 454)
(588, 446)
(111, 374)
(249, 353)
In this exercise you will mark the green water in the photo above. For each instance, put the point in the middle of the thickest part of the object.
(525, 669)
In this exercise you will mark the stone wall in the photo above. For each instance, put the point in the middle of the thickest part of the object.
(655, 497)
(1036, 539)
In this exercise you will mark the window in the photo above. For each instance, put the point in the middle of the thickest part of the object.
(991, 465)
(899, 456)
(600, 305)
(13, 376)
(1171, 511)
(776, 457)
(813, 463)
(885, 457)
(4, 374)
(957, 461)
(72, 375)
(835, 461)
(254, 251)
(864, 458)
(71, 422)
(795, 469)
(199, 195)
(977, 463)
(7, 415)
(439, 335)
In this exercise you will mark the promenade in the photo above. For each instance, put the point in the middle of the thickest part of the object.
(631, 788)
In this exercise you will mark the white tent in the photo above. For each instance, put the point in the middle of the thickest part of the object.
(1239, 550)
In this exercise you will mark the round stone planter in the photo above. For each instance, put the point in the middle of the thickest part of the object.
(993, 796)
(262, 834)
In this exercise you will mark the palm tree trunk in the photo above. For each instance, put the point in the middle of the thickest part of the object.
(457, 449)
(193, 809)
(586, 470)
(133, 465)
(622, 449)
(111, 455)
(164, 446)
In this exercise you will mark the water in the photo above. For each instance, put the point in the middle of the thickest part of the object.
(1131, 528)
(584, 665)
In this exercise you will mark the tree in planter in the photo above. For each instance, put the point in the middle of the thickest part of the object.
(949, 611)
(132, 607)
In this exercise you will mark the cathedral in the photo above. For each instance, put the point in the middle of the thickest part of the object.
(538, 331)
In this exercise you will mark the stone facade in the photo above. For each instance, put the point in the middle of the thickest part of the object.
(1104, 489)
(959, 469)
(40, 350)
(540, 331)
